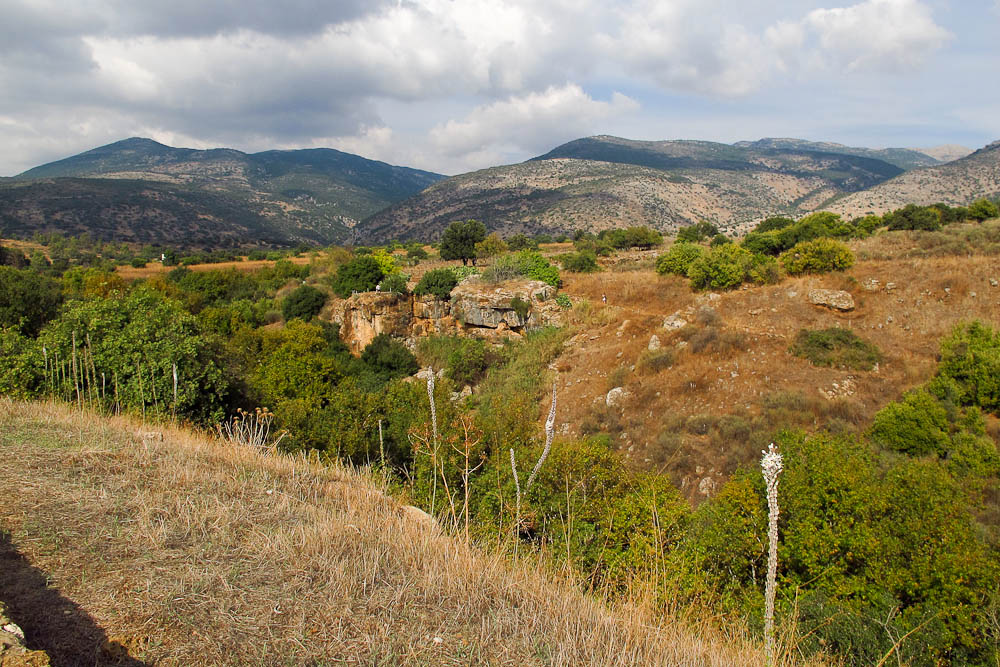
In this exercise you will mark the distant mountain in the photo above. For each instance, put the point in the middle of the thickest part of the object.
(603, 181)
(311, 195)
(946, 152)
(954, 183)
(904, 158)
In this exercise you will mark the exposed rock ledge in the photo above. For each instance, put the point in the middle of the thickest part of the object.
(475, 309)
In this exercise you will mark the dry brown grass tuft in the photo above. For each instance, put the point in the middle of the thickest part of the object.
(191, 552)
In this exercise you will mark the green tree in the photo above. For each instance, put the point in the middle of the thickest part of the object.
(723, 267)
(983, 209)
(817, 256)
(459, 240)
(304, 303)
(361, 274)
(27, 300)
(439, 282)
(389, 358)
(491, 246)
(678, 258)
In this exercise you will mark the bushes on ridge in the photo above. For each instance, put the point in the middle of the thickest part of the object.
(678, 259)
(439, 282)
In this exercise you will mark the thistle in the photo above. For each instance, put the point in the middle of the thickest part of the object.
(550, 425)
(771, 466)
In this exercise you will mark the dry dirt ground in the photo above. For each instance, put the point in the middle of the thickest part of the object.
(178, 549)
(914, 303)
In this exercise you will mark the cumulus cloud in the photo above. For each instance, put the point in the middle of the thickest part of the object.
(889, 34)
(251, 73)
(530, 122)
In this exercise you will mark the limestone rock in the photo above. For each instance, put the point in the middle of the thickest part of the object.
(674, 322)
(419, 516)
(654, 343)
(836, 299)
(616, 397)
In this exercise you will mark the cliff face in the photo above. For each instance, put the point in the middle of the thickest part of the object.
(474, 309)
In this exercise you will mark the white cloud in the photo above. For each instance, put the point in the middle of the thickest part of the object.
(881, 34)
(530, 122)
(253, 74)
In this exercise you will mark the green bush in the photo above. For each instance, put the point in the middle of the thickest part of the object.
(138, 262)
(918, 425)
(836, 348)
(389, 358)
(912, 216)
(563, 301)
(361, 274)
(773, 223)
(439, 282)
(469, 359)
(27, 300)
(696, 232)
(533, 265)
(651, 362)
(304, 303)
(723, 267)
(397, 283)
(983, 209)
(817, 256)
(521, 307)
(970, 357)
(579, 262)
(678, 259)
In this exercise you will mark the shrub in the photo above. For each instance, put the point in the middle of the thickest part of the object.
(719, 239)
(417, 253)
(982, 209)
(304, 303)
(764, 243)
(521, 242)
(439, 282)
(361, 274)
(970, 357)
(765, 270)
(654, 361)
(632, 237)
(469, 360)
(491, 246)
(835, 347)
(697, 232)
(395, 283)
(724, 267)
(27, 300)
(521, 307)
(389, 358)
(678, 259)
(386, 262)
(817, 256)
(917, 425)
(563, 301)
(911, 216)
(579, 262)
(138, 262)
(532, 265)
(774, 223)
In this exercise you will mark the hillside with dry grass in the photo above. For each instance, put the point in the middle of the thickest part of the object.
(129, 543)
(723, 382)
(955, 183)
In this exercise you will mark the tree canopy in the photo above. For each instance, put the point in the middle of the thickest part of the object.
(460, 239)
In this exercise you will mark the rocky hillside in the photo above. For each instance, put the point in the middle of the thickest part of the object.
(603, 182)
(160, 194)
(904, 158)
(955, 183)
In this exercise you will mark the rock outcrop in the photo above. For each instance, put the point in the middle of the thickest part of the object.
(475, 309)
(836, 299)
(12, 649)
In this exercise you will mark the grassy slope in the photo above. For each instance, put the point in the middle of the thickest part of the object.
(184, 551)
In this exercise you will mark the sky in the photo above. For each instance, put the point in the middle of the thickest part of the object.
(457, 85)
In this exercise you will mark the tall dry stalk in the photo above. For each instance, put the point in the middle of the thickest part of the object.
(434, 434)
(517, 512)
(550, 425)
(771, 466)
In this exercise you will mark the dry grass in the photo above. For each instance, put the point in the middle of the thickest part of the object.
(186, 551)
(157, 268)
